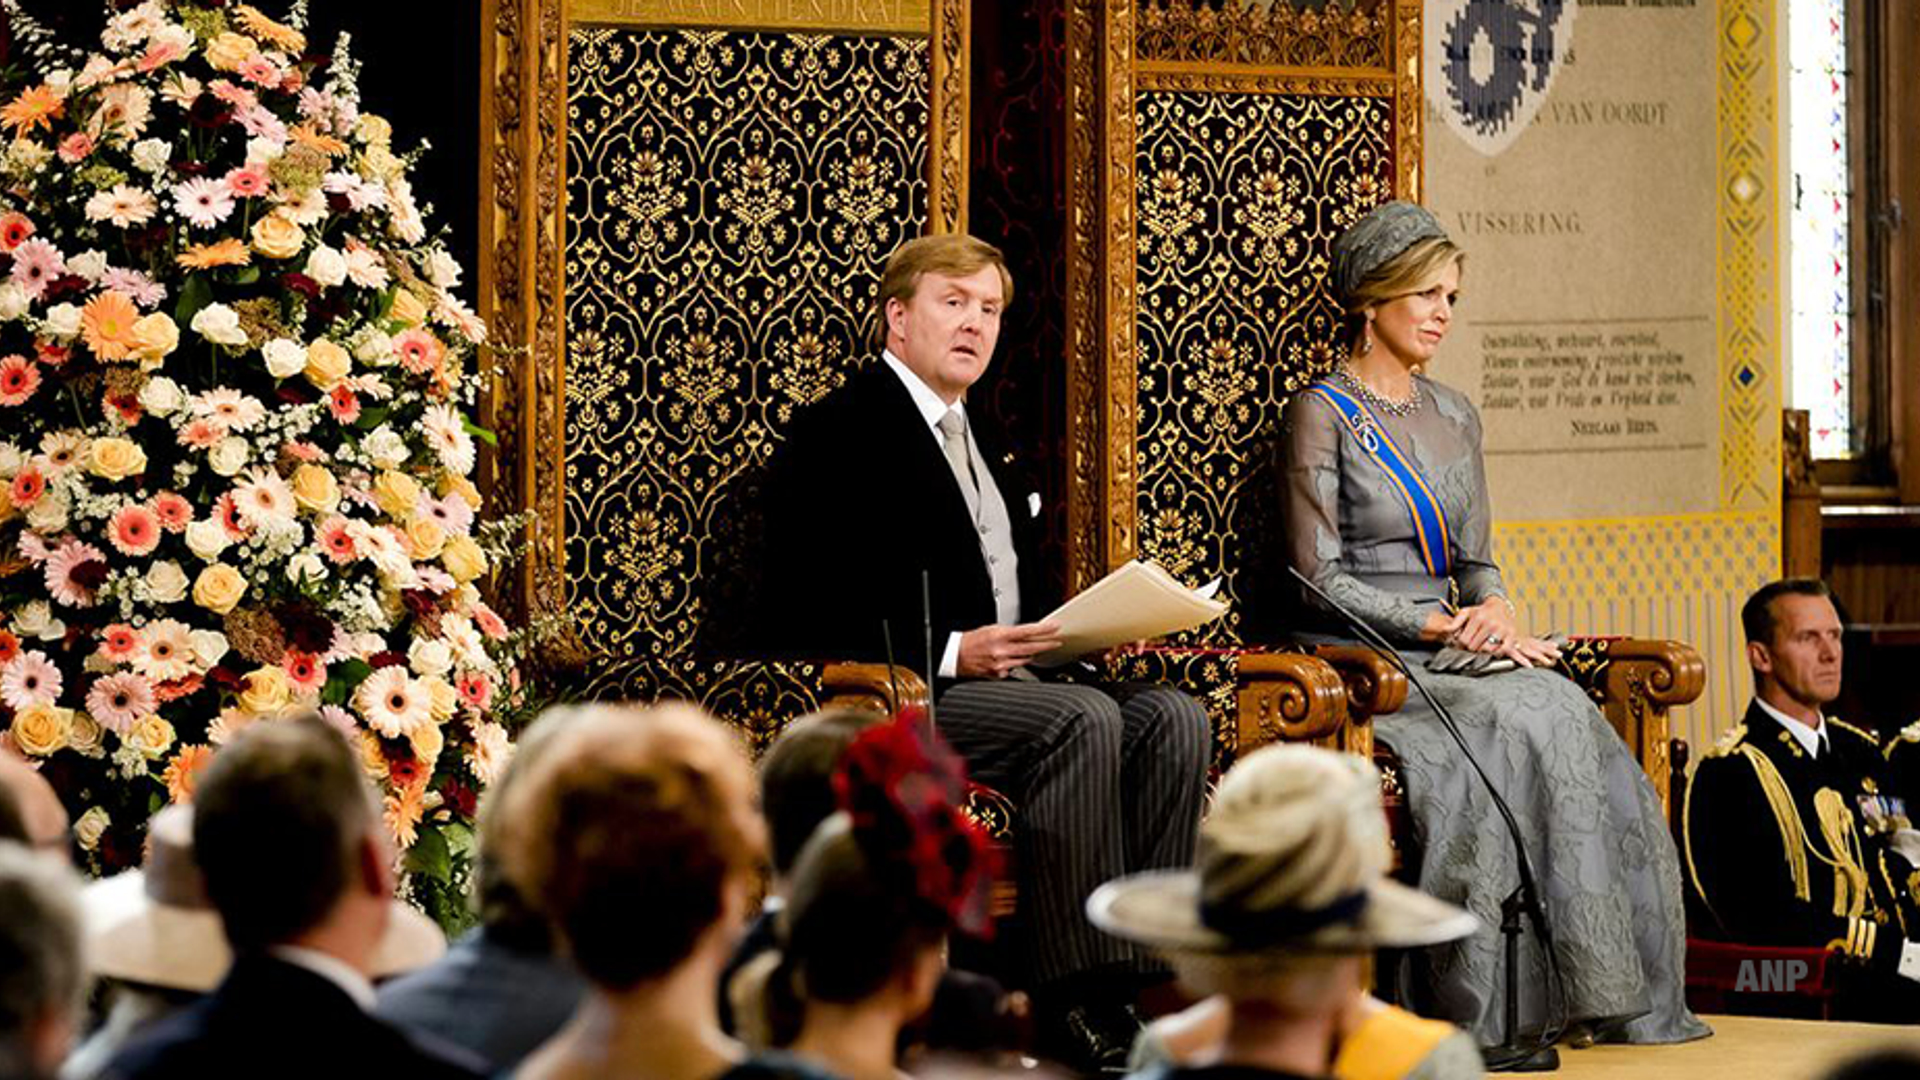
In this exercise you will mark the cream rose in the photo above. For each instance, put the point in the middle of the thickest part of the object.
(228, 456)
(63, 321)
(208, 646)
(373, 129)
(166, 582)
(219, 588)
(398, 494)
(162, 396)
(278, 236)
(86, 736)
(49, 515)
(220, 324)
(427, 656)
(315, 488)
(427, 742)
(327, 266)
(151, 735)
(285, 358)
(442, 699)
(463, 487)
(207, 539)
(425, 539)
(41, 729)
(116, 459)
(155, 337)
(267, 691)
(408, 309)
(91, 826)
(14, 302)
(463, 559)
(387, 449)
(327, 364)
(228, 51)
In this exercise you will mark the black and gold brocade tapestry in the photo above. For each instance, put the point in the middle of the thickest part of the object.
(731, 197)
(1240, 198)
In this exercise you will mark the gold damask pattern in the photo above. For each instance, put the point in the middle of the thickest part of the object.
(1280, 33)
(759, 699)
(1240, 198)
(730, 199)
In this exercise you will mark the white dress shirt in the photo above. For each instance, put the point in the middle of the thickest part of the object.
(1812, 739)
(932, 410)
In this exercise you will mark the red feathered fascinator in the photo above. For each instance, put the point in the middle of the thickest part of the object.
(903, 787)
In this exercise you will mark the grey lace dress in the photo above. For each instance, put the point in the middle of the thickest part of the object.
(1591, 821)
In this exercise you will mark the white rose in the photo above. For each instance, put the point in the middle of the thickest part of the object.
(150, 155)
(89, 264)
(49, 515)
(264, 151)
(327, 266)
(35, 620)
(228, 456)
(443, 269)
(207, 539)
(374, 347)
(428, 656)
(162, 396)
(285, 358)
(219, 324)
(167, 582)
(307, 566)
(208, 646)
(387, 449)
(91, 826)
(12, 459)
(63, 321)
(13, 302)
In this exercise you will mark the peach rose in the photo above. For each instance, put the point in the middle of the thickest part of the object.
(219, 588)
(228, 51)
(327, 364)
(425, 539)
(463, 487)
(407, 309)
(398, 494)
(267, 691)
(463, 559)
(116, 459)
(427, 742)
(41, 729)
(442, 699)
(315, 488)
(155, 336)
(152, 736)
(278, 236)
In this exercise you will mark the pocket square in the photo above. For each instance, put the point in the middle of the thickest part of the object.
(1033, 504)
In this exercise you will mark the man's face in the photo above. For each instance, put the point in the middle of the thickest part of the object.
(1803, 659)
(946, 331)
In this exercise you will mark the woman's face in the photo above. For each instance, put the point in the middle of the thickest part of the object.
(1411, 327)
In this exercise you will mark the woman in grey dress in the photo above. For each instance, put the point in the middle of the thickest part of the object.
(1386, 502)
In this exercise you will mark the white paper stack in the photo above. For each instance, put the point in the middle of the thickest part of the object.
(1138, 601)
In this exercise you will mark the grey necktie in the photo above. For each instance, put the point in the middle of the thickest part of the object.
(953, 437)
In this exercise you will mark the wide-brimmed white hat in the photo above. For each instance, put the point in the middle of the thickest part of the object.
(1293, 859)
(155, 926)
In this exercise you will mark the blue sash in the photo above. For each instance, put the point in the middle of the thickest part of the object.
(1429, 519)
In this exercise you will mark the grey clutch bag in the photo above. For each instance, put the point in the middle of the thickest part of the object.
(1452, 661)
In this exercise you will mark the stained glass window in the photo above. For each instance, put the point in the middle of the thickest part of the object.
(1822, 367)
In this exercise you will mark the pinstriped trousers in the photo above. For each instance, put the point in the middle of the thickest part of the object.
(1107, 781)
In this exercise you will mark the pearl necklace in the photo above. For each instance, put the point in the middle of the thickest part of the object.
(1404, 407)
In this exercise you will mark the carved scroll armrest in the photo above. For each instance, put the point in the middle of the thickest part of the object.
(1374, 686)
(1289, 697)
(871, 686)
(1635, 681)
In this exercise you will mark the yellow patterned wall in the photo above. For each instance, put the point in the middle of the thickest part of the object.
(731, 197)
(1684, 577)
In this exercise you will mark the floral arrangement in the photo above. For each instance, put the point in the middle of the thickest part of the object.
(235, 442)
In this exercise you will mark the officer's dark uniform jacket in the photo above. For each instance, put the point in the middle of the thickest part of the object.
(1786, 849)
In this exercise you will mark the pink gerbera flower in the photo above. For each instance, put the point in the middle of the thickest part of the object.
(476, 690)
(264, 501)
(233, 410)
(35, 263)
(135, 530)
(305, 672)
(135, 284)
(489, 623)
(119, 701)
(450, 513)
(248, 182)
(174, 511)
(76, 147)
(19, 378)
(119, 642)
(202, 433)
(73, 571)
(259, 71)
(233, 94)
(28, 485)
(304, 451)
(167, 652)
(203, 201)
(344, 404)
(336, 539)
(30, 679)
(419, 351)
(228, 511)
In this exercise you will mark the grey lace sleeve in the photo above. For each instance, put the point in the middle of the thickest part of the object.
(1474, 570)
(1310, 477)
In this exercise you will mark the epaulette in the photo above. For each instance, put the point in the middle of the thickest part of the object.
(1910, 733)
(1730, 739)
(1872, 739)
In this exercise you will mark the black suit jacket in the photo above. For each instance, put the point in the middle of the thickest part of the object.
(1742, 885)
(272, 1018)
(860, 501)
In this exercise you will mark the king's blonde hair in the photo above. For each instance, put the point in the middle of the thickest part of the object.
(946, 254)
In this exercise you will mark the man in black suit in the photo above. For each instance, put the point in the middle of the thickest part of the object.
(296, 862)
(1107, 782)
(1793, 835)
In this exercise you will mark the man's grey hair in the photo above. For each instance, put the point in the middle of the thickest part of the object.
(41, 965)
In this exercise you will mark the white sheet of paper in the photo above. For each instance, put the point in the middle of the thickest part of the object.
(1138, 601)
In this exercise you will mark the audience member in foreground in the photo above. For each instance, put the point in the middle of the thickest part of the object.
(1793, 834)
(862, 939)
(501, 990)
(157, 945)
(1288, 898)
(298, 865)
(635, 835)
(40, 962)
(41, 819)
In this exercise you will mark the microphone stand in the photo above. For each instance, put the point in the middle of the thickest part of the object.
(1511, 1055)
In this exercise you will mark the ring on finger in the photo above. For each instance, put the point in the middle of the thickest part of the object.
(1493, 639)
